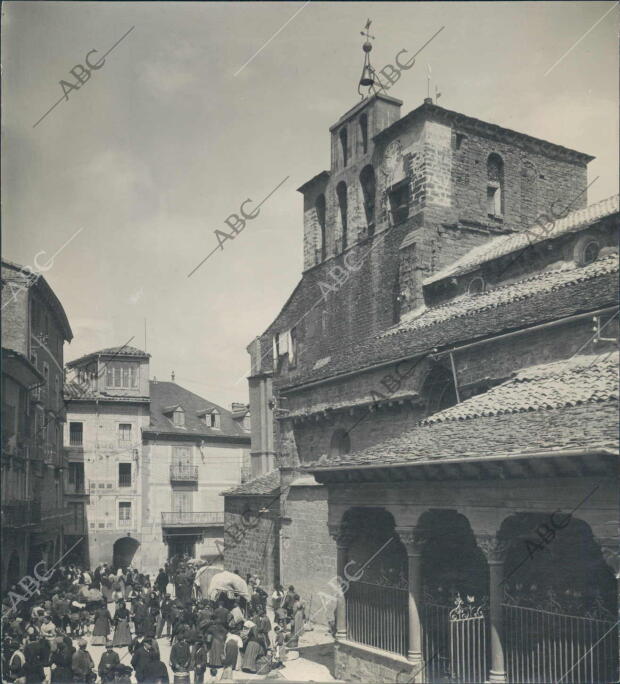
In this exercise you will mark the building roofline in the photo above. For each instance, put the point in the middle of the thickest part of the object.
(48, 293)
(361, 105)
(315, 179)
(484, 127)
(115, 352)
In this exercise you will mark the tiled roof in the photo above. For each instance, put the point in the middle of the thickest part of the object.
(515, 242)
(167, 394)
(265, 484)
(469, 317)
(124, 350)
(580, 380)
(471, 304)
(536, 418)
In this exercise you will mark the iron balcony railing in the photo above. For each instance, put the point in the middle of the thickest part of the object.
(183, 473)
(192, 518)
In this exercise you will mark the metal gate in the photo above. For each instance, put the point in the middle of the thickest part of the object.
(543, 646)
(455, 642)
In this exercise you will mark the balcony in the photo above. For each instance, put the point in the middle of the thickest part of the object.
(21, 514)
(193, 519)
(183, 473)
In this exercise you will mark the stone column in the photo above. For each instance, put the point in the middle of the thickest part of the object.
(343, 536)
(414, 542)
(495, 552)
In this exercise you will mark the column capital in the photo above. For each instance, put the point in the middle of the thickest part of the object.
(412, 538)
(342, 533)
(493, 548)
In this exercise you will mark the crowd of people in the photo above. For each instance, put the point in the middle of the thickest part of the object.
(46, 638)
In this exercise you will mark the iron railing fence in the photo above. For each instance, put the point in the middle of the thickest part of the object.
(377, 616)
(468, 649)
(434, 618)
(184, 473)
(545, 647)
(192, 518)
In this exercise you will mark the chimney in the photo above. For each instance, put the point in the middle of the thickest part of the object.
(172, 376)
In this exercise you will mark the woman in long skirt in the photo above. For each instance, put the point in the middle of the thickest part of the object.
(122, 635)
(102, 624)
(217, 633)
(298, 622)
(253, 651)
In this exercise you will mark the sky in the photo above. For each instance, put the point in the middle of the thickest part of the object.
(200, 107)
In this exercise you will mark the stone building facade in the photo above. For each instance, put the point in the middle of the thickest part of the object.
(34, 330)
(147, 461)
(470, 273)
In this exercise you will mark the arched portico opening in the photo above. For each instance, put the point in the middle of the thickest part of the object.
(123, 552)
(559, 601)
(372, 572)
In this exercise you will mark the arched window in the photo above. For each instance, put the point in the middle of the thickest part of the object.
(495, 185)
(364, 132)
(341, 192)
(367, 181)
(590, 252)
(320, 217)
(340, 444)
(476, 285)
(344, 143)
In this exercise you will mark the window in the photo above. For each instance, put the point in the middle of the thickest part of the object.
(178, 417)
(124, 474)
(182, 502)
(399, 202)
(57, 386)
(124, 432)
(121, 376)
(320, 217)
(213, 419)
(124, 513)
(344, 143)
(181, 456)
(76, 434)
(341, 192)
(367, 181)
(495, 186)
(340, 444)
(46, 372)
(76, 476)
(364, 132)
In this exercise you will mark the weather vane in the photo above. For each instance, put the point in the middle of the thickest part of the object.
(368, 78)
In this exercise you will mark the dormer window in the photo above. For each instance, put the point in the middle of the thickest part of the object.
(213, 419)
(590, 253)
(344, 144)
(178, 417)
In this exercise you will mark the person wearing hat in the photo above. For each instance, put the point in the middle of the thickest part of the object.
(109, 661)
(82, 665)
(180, 659)
(141, 658)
